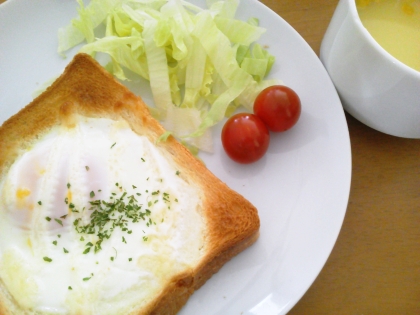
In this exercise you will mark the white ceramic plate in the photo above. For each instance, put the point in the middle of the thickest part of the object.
(300, 187)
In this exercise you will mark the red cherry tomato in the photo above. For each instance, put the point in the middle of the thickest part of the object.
(245, 138)
(278, 107)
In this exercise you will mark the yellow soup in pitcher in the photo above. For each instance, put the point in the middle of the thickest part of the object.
(395, 25)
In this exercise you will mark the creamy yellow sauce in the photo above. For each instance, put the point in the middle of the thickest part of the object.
(395, 25)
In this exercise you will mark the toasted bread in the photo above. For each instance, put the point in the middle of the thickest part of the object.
(231, 223)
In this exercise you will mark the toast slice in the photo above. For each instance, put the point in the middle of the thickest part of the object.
(85, 92)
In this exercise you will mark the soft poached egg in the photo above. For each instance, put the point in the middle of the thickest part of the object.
(58, 257)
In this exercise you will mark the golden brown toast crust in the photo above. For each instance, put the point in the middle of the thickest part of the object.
(87, 89)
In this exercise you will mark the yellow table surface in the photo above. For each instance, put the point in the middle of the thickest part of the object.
(374, 267)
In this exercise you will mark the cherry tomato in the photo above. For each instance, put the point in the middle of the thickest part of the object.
(245, 138)
(278, 106)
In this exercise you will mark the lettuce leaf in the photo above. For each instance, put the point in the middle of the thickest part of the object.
(202, 63)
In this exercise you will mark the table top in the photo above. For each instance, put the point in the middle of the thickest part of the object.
(374, 267)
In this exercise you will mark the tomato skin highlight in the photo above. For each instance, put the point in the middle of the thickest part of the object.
(245, 138)
(279, 107)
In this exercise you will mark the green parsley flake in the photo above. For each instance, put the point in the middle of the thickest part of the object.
(40, 203)
(59, 221)
(65, 251)
(47, 259)
(68, 185)
(113, 145)
(87, 168)
(117, 213)
(130, 259)
(108, 216)
(48, 219)
(54, 242)
(70, 288)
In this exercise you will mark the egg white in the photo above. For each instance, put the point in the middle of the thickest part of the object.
(43, 262)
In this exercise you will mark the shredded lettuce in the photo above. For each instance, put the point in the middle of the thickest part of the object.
(202, 64)
(82, 28)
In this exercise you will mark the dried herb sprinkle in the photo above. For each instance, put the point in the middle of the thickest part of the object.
(106, 216)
